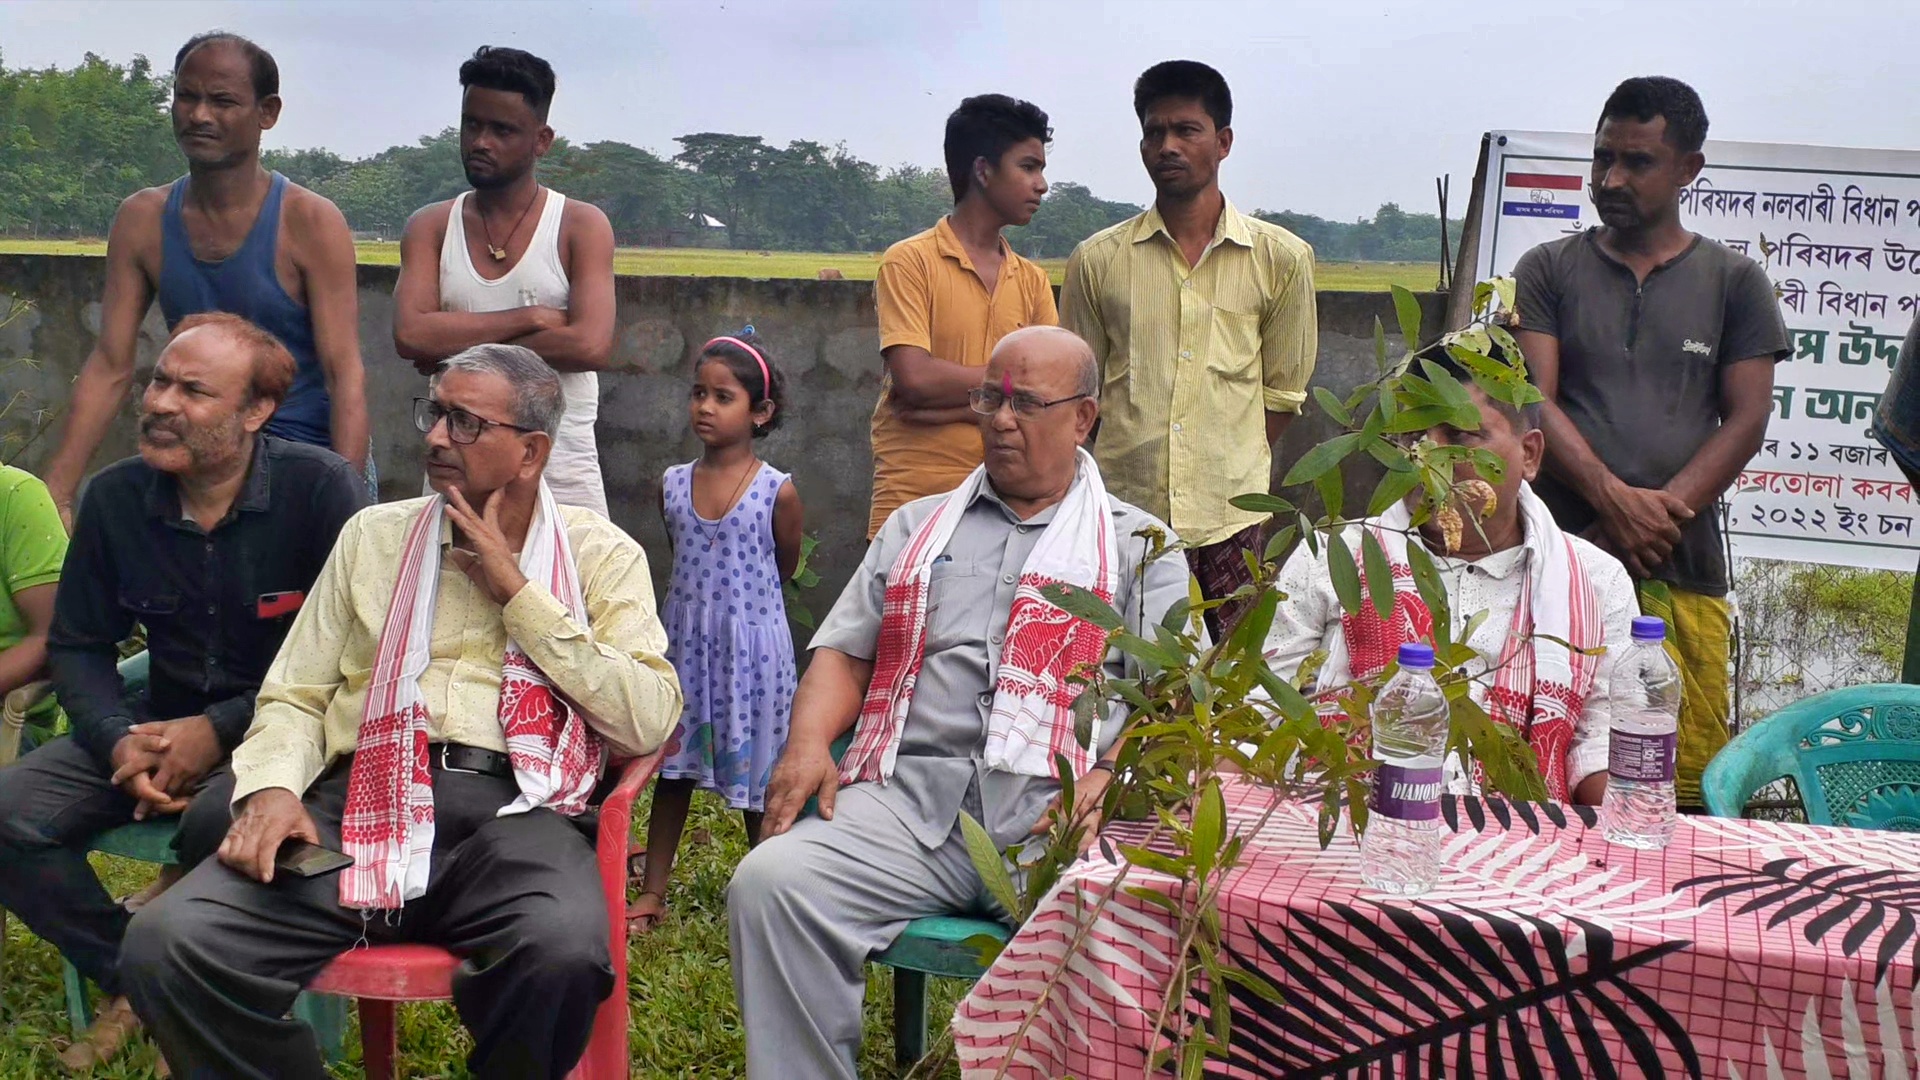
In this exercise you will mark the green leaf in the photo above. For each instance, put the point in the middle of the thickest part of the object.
(1083, 604)
(1393, 487)
(1279, 542)
(1308, 534)
(1333, 491)
(1150, 652)
(1473, 623)
(1176, 617)
(985, 947)
(1259, 502)
(1249, 636)
(1379, 573)
(1147, 859)
(991, 867)
(1449, 389)
(1086, 707)
(1379, 343)
(1333, 406)
(1406, 307)
(1433, 591)
(1209, 829)
(1344, 571)
(1289, 700)
(1482, 292)
(1265, 989)
(1422, 417)
(1321, 458)
(1390, 455)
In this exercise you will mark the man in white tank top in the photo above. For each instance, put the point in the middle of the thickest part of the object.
(512, 262)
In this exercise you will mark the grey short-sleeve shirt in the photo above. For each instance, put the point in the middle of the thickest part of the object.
(1640, 368)
(939, 770)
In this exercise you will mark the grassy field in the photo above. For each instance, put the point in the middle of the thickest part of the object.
(708, 262)
(684, 1022)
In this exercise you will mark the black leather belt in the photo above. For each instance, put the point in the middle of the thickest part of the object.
(454, 757)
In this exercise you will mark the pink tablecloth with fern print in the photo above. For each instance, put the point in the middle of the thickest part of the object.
(1744, 949)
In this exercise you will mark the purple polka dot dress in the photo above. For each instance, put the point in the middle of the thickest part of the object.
(727, 636)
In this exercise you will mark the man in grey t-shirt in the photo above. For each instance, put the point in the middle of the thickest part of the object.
(1655, 348)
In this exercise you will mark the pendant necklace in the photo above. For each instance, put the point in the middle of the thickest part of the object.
(721, 522)
(500, 253)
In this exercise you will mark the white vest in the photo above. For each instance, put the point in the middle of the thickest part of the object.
(538, 279)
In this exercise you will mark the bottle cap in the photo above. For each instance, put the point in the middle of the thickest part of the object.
(1649, 628)
(1416, 656)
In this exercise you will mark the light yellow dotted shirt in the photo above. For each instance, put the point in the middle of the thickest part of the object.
(311, 702)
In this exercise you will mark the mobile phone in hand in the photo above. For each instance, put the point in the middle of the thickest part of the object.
(301, 859)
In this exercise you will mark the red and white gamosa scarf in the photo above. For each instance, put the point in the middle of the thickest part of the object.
(557, 757)
(1032, 716)
(1539, 685)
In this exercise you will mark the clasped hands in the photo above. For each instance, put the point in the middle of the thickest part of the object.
(1639, 526)
(159, 762)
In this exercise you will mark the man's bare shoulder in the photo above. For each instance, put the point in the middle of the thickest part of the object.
(313, 215)
(431, 219)
(143, 209)
(582, 217)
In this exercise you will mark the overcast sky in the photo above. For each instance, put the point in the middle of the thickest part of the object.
(1339, 106)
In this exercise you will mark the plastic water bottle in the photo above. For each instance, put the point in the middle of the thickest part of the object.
(1646, 692)
(1400, 851)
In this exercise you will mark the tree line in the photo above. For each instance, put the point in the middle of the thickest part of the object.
(74, 142)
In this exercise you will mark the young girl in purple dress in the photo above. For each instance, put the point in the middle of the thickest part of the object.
(735, 525)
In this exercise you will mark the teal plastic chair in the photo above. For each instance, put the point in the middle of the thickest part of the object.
(934, 946)
(152, 842)
(1854, 753)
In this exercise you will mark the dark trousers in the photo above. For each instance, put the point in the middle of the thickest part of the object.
(53, 802)
(214, 964)
(1221, 568)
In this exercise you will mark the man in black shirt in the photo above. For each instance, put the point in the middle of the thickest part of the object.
(208, 541)
(1655, 349)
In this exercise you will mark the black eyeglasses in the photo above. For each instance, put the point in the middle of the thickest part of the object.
(987, 400)
(462, 426)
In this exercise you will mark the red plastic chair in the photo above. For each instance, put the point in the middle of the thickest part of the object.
(381, 975)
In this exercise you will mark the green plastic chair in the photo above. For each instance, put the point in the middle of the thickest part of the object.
(935, 945)
(152, 842)
(1854, 753)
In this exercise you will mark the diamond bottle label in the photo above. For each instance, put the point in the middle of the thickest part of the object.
(1643, 759)
(1406, 794)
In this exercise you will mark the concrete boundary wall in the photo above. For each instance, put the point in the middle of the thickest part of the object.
(822, 334)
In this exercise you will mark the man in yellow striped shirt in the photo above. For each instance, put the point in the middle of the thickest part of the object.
(1203, 321)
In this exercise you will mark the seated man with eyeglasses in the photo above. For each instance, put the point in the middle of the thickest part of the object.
(208, 541)
(953, 673)
(441, 713)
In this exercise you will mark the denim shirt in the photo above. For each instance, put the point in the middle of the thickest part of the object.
(215, 605)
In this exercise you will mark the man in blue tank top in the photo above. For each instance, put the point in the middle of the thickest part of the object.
(229, 236)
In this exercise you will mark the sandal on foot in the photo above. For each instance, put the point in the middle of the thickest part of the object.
(646, 912)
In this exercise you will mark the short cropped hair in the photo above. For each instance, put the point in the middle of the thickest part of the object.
(986, 126)
(266, 73)
(1187, 80)
(513, 71)
(1647, 96)
(273, 365)
(537, 399)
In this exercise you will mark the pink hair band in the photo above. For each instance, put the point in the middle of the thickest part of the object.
(766, 377)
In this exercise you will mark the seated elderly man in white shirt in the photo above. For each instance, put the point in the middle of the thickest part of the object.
(1535, 583)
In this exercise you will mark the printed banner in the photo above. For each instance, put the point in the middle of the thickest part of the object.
(1838, 232)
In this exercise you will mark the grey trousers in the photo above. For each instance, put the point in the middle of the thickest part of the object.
(807, 908)
(213, 965)
(53, 803)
